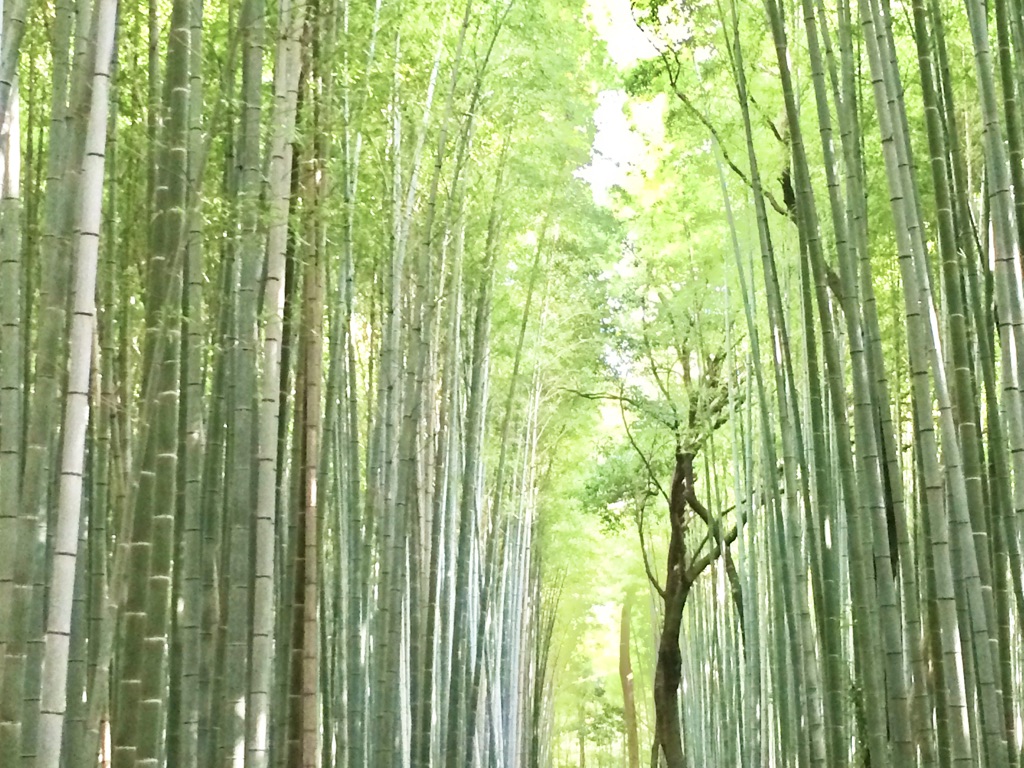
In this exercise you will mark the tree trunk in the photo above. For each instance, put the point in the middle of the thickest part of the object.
(668, 670)
(626, 677)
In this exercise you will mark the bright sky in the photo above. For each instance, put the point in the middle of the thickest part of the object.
(616, 147)
(627, 44)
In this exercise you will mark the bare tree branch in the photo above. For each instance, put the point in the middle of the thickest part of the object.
(673, 79)
(620, 398)
(714, 526)
(643, 456)
(662, 386)
(698, 567)
(643, 549)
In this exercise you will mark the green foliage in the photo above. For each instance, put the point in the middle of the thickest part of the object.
(646, 78)
(602, 720)
(619, 486)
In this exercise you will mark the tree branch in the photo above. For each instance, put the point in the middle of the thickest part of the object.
(698, 567)
(661, 384)
(620, 398)
(643, 550)
(714, 527)
(643, 456)
(681, 95)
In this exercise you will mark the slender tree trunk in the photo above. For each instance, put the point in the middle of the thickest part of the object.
(628, 701)
(76, 418)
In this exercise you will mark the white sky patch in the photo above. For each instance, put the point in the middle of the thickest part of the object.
(617, 148)
(627, 44)
(624, 145)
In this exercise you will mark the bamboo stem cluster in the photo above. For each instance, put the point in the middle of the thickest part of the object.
(258, 522)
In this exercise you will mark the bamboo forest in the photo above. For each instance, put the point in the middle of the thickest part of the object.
(511, 383)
